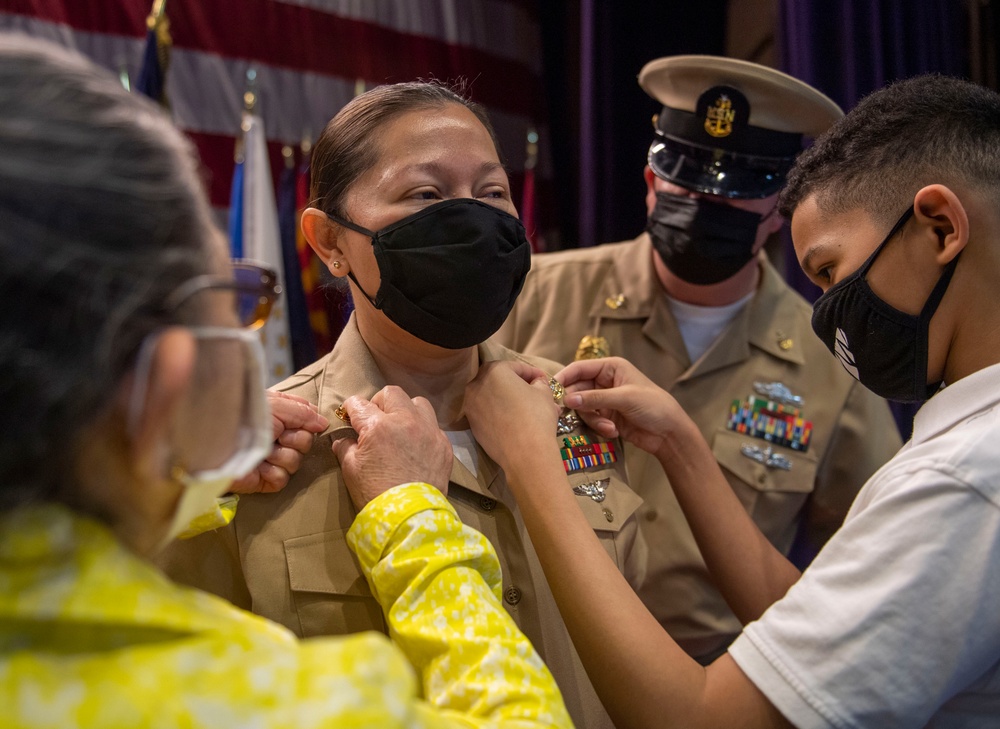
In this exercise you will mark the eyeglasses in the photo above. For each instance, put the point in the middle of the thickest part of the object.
(256, 289)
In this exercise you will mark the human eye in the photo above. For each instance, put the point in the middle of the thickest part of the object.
(494, 193)
(425, 194)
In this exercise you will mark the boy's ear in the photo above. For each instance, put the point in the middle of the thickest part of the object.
(941, 212)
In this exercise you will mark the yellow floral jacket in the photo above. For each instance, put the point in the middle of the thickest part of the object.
(93, 636)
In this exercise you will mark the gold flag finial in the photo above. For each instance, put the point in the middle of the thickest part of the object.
(250, 95)
(156, 14)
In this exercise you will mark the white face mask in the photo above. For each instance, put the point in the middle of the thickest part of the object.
(253, 433)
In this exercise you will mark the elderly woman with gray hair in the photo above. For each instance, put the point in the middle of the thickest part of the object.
(131, 392)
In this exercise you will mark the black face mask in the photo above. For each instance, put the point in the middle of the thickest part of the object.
(883, 348)
(699, 241)
(449, 273)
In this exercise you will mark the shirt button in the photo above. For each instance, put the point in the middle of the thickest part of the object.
(487, 503)
(651, 515)
(512, 595)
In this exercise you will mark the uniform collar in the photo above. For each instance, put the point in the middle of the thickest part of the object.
(774, 324)
(631, 290)
(350, 370)
(770, 322)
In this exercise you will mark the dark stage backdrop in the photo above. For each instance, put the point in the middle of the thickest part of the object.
(848, 49)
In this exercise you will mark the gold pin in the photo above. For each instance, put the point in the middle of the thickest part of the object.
(342, 414)
(615, 302)
(591, 347)
(786, 344)
(558, 391)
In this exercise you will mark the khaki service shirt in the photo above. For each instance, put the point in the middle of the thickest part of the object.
(612, 291)
(285, 556)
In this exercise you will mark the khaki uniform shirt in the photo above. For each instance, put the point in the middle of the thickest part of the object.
(285, 556)
(612, 291)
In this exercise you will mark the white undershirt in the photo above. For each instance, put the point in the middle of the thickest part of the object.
(700, 326)
(463, 445)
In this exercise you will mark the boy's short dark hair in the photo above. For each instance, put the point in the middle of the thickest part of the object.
(913, 133)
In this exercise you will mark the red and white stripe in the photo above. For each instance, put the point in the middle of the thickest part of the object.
(308, 55)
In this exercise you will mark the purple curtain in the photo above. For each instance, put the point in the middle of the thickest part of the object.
(849, 48)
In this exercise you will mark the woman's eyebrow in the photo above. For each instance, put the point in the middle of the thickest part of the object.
(437, 167)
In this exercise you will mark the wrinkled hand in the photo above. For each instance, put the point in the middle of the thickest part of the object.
(614, 398)
(398, 442)
(295, 422)
(510, 408)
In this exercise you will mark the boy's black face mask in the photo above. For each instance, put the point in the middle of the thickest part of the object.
(883, 348)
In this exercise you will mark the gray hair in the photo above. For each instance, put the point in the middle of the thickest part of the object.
(102, 214)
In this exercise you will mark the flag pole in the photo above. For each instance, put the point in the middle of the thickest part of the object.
(528, 193)
(531, 150)
(151, 80)
(159, 8)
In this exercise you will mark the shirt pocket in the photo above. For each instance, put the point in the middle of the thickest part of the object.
(608, 503)
(772, 495)
(329, 591)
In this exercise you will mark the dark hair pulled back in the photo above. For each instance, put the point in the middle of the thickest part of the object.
(348, 146)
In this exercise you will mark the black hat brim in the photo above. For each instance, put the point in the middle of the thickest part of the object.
(730, 175)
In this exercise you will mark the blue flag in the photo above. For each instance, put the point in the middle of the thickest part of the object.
(299, 328)
(156, 57)
(236, 213)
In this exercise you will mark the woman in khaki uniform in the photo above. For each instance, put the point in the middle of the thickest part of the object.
(412, 204)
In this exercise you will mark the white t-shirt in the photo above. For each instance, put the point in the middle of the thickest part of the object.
(700, 326)
(897, 621)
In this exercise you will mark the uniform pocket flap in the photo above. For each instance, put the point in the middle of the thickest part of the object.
(324, 563)
(777, 469)
(605, 498)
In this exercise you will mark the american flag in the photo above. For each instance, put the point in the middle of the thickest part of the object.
(309, 56)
